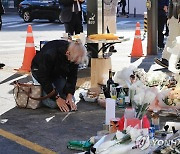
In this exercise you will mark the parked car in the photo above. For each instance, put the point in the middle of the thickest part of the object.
(39, 9)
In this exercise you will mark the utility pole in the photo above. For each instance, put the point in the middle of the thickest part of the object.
(152, 24)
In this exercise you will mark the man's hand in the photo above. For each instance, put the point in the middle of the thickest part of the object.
(70, 102)
(62, 105)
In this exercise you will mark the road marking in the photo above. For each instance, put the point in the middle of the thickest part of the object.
(12, 49)
(9, 23)
(33, 146)
(41, 25)
(12, 41)
(19, 25)
(122, 22)
(12, 44)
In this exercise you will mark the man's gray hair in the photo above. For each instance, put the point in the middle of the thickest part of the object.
(78, 50)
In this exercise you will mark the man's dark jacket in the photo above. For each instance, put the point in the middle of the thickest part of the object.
(66, 12)
(50, 63)
(161, 4)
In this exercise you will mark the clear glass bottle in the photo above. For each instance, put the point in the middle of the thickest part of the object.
(113, 92)
(121, 98)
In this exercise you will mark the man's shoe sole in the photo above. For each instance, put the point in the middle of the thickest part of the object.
(160, 63)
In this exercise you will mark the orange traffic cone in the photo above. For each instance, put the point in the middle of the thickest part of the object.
(29, 52)
(137, 50)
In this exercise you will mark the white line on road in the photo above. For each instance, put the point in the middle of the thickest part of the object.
(12, 49)
(9, 23)
(18, 25)
(41, 25)
(14, 44)
(12, 41)
(122, 22)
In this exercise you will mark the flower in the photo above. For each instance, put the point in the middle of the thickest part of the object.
(142, 100)
(119, 135)
(138, 98)
(121, 142)
(157, 78)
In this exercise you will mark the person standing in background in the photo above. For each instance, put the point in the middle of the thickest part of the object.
(123, 4)
(1, 13)
(71, 16)
(162, 11)
(174, 31)
(110, 16)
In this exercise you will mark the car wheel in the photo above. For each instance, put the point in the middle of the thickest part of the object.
(27, 16)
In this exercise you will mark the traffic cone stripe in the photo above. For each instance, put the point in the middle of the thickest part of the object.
(29, 35)
(137, 28)
(29, 45)
(137, 36)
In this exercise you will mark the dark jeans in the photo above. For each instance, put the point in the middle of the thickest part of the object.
(161, 23)
(59, 84)
(75, 25)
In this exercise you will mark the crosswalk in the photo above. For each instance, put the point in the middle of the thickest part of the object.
(17, 24)
(11, 46)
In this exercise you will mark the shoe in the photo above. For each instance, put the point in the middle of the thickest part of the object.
(178, 65)
(162, 62)
(166, 34)
(1, 65)
(160, 48)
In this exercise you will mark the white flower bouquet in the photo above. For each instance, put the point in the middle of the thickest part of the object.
(142, 98)
(122, 142)
(157, 79)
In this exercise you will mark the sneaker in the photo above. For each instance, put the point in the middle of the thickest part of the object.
(1, 65)
(178, 65)
(162, 62)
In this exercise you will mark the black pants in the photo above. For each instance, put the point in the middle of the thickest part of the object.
(161, 23)
(0, 22)
(75, 25)
(123, 10)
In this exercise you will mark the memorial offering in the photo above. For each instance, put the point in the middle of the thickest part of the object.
(109, 36)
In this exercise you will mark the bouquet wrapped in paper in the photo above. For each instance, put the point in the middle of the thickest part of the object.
(123, 142)
(142, 100)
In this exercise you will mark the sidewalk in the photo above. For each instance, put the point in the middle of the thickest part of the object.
(32, 125)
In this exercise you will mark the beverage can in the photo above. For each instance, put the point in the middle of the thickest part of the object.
(114, 125)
